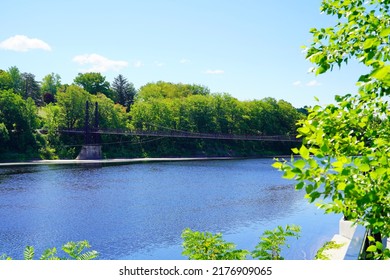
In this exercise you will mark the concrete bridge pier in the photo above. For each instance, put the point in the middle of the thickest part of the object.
(89, 152)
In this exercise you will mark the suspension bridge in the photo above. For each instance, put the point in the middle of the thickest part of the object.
(92, 143)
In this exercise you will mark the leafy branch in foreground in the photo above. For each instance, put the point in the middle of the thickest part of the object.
(270, 245)
(5, 257)
(375, 250)
(321, 253)
(73, 249)
(208, 246)
(344, 157)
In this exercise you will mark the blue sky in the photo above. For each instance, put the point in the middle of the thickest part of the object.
(248, 48)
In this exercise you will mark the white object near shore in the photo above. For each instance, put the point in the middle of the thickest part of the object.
(346, 232)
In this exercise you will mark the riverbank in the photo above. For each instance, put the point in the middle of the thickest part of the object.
(127, 160)
(110, 161)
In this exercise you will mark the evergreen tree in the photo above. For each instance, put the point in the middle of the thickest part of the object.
(124, 91)
(31, 88)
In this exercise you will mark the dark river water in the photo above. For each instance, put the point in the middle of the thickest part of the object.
(138, 211)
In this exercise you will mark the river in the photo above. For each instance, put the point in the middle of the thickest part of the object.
(138, 211)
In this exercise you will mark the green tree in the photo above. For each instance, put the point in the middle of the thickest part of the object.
(19, 120)
(212, 113)
(12, 111)
(201, 113)
(253, 117)
(72, 107)
(111, 115)
(271, 116)
(51, 117)
(31, 88)
(5, 80)
(4, 137)
(17, 81)
(51, 83)
(344, 155)
(49, 86)
(31, 113)
(229, 113)
(123, 91)
(93, 82)
(69, 113)
(288, 117)
(163, 89)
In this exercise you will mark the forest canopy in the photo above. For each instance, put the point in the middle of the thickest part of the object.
(32, 113)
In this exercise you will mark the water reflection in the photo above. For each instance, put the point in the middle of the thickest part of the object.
(139, 211)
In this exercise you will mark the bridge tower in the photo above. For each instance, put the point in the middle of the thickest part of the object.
(92, 148)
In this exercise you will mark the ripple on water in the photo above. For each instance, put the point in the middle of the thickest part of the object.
(139, 211)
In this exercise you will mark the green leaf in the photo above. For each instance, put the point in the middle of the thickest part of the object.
(29, 253)
(324, 148)
(304, 152)
(300, 185)
(303, 130)
(371, 238)
(338, 165)
(299, 164)
(371, 248)
(309, 189)
(49, 254)
(364, 167)
(322, 69)
(381, 73)
(90, 255)
(313, 196)
(289, 175)
(295, 150)
(370, 42)
(380, 171)
(313, 164)
(379, 245)
(277, 165)
(341, 186)
(385, 32)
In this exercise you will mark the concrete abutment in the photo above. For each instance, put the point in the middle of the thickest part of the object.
(90, 152)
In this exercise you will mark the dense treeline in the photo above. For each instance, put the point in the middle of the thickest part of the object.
(32, 112)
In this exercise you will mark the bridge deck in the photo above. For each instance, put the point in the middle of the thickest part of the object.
(183, 134)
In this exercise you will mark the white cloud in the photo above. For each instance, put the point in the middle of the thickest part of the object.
(297, 83)
(138, 64)
(215, 72)
(99, 63)
(313, 83)
(21, 43)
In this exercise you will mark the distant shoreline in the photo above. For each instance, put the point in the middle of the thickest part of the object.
(121, 161)
(109, 161)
